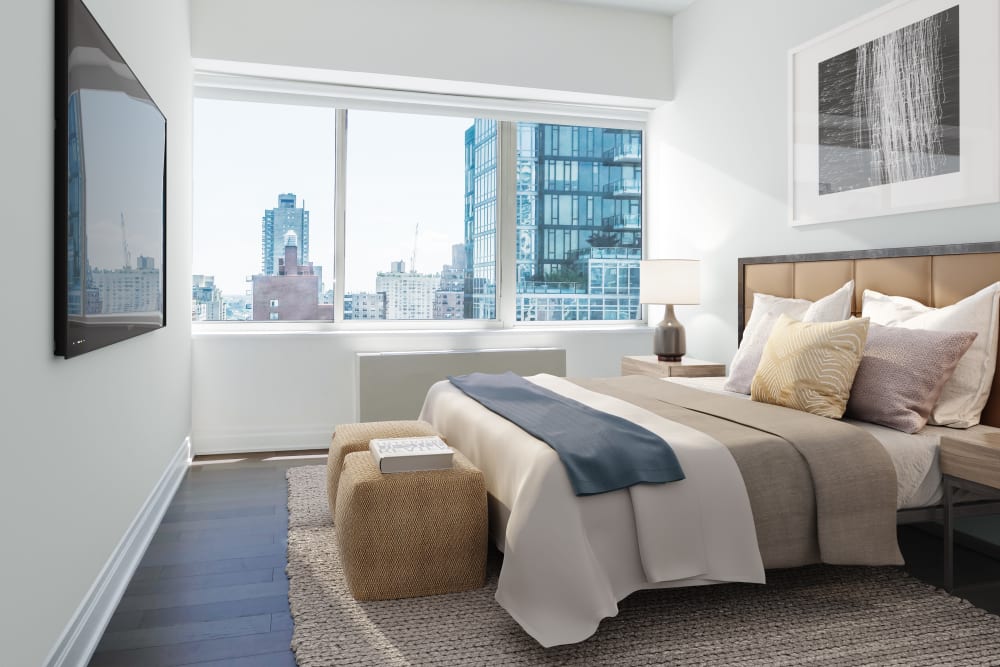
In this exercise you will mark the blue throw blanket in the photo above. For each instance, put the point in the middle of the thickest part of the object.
(601, 452)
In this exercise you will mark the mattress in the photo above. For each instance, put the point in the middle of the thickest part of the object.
(914, 456)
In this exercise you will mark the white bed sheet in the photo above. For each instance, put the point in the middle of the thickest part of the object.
(915, 456)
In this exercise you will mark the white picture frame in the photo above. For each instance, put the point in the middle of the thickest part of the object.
(852, 155)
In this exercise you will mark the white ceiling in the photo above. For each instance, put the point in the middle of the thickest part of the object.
(669, 7)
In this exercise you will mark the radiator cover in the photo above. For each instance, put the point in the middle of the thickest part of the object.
(392, 385)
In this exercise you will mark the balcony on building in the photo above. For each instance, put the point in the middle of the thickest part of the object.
(546, 287)
(629, 152)
(623, 221)
(626, 187)
(625, 148)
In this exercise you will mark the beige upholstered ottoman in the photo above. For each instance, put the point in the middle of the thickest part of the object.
(413, 533)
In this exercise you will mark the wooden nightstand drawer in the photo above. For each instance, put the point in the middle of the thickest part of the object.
(691, 368)
(972, 456)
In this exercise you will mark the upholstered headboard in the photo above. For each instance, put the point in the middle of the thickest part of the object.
(934, 275)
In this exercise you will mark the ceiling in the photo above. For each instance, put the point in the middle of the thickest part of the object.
(669, 7)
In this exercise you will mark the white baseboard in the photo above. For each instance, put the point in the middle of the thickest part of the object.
(80, 638)
(315, 437)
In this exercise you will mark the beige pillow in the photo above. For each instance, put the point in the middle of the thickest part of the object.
(810, 366)
(964, 396)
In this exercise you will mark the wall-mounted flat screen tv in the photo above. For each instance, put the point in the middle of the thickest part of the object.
(110, 192)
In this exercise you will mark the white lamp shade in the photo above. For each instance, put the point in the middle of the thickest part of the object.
(669, 281)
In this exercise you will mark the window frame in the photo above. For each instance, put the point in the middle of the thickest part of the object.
(507, 113)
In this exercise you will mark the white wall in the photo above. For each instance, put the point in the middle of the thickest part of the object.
(84, 440)
(528, 43)
(718, 158)
(289, 391)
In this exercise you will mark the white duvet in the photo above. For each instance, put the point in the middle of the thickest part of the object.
(569, 559)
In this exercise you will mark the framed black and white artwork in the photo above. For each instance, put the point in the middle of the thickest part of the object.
(897, 111)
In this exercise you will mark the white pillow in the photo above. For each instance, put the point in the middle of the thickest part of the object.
(964, 396)
(766, 311)
(832, 307)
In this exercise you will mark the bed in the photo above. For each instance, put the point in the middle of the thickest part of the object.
(764, 488)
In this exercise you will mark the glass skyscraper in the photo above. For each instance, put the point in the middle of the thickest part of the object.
(578, 217)
(480, 220)
(275, 224)
(82, 296)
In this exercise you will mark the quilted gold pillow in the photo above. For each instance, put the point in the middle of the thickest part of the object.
(810, 366)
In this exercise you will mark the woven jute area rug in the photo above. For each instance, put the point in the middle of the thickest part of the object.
(810, 616)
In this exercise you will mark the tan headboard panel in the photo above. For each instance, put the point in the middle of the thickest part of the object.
(935, 275)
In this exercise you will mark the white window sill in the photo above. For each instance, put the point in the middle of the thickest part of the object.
(403, 328)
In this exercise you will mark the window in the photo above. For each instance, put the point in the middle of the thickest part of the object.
(432, 206)
(410, 222)
(579, 223)
(263, 211)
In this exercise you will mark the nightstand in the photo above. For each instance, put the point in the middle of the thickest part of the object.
(970, 462)
(685, 368)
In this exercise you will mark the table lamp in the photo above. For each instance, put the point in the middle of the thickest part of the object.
(669, 282)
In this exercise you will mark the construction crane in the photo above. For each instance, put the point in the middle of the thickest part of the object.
(413, 257)
(126, 255)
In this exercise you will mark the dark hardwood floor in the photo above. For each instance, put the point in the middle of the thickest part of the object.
(977, 565)
(211, 589)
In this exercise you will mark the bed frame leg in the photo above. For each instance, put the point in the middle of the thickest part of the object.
(949, 537)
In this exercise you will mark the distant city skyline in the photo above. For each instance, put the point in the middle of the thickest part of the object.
(421, 193)
(246, 154)
(293, 150)
(404, 170)
(122, 180)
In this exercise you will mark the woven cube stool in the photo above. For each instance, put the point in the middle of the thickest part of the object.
(354, 438)
(411, 533)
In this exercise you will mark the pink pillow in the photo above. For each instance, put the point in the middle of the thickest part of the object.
(902, 374)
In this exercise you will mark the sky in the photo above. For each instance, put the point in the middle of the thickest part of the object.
(123, 177)
(402, 170)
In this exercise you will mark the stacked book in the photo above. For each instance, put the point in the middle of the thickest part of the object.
(410, 454)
